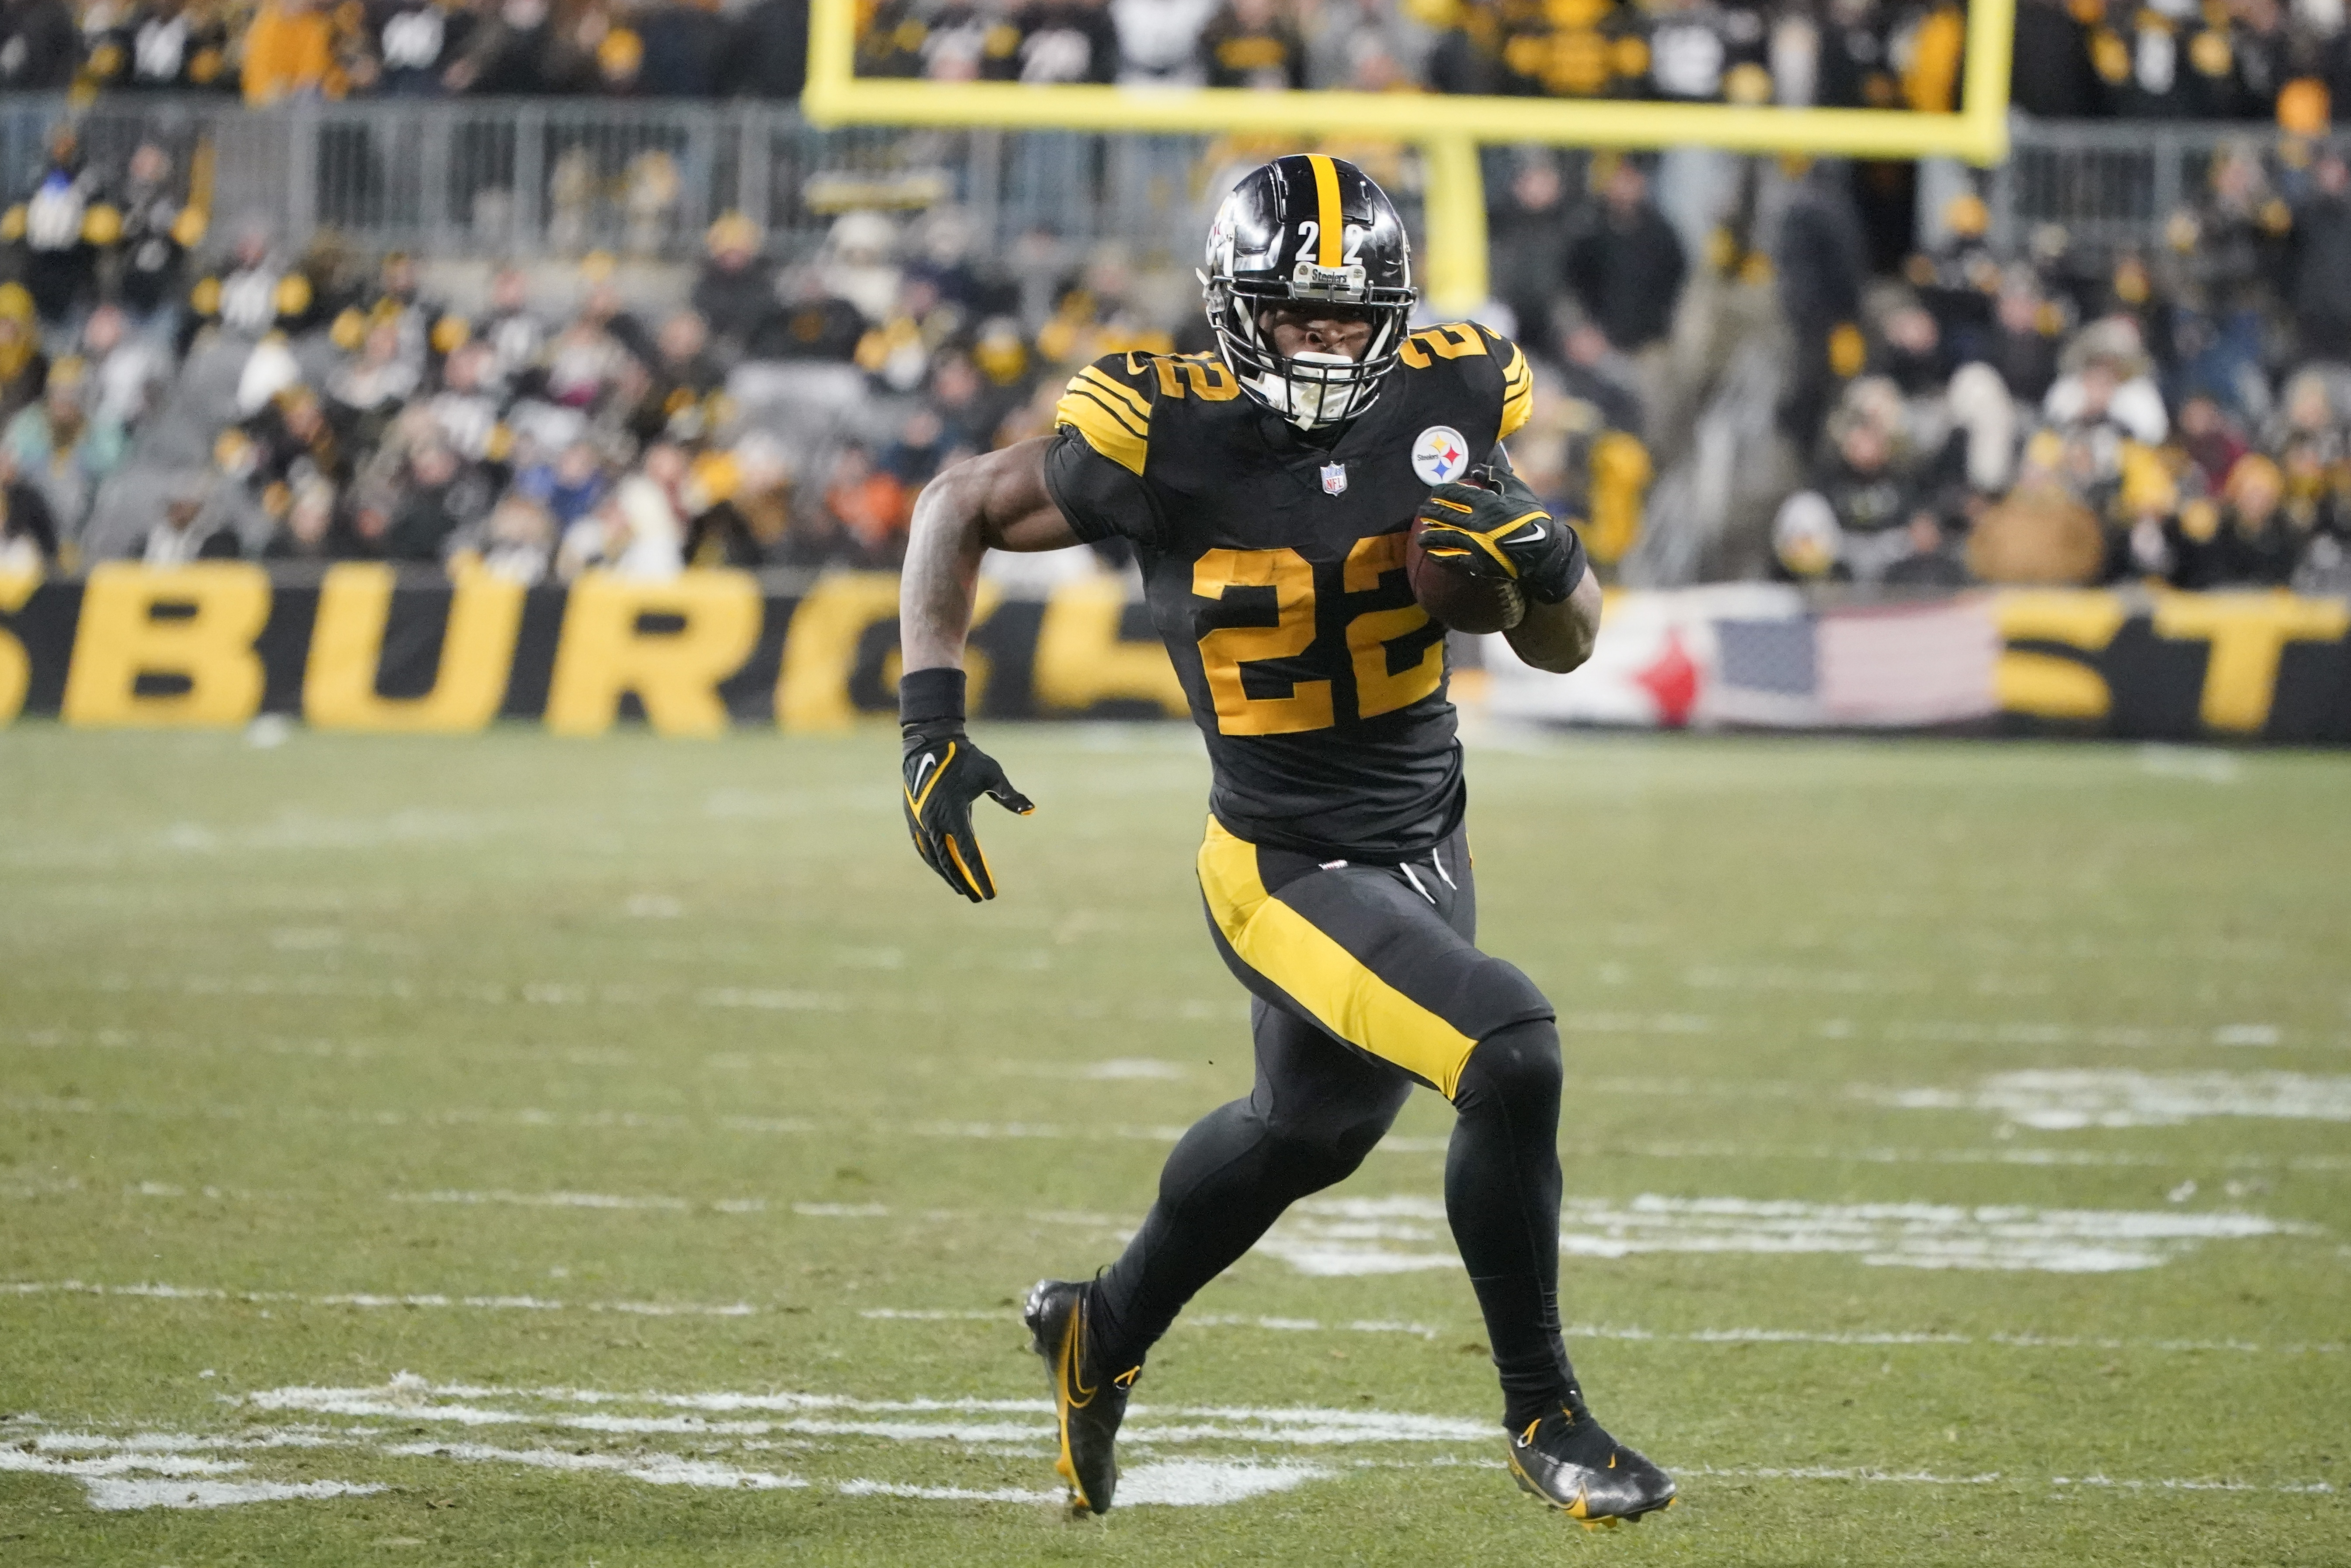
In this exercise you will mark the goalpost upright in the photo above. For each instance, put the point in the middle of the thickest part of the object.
(1448, 129)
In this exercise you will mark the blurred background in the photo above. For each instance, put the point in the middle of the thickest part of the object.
(551, 287)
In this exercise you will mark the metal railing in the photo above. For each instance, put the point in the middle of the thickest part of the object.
(2110, 183)
(563, 177)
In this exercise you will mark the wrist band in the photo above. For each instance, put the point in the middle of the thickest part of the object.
(926, 696)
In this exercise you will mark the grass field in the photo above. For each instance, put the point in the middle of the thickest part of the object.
(525, 1152)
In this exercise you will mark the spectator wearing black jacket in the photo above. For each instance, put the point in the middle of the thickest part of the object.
(767, 56)
(1624, 264)
(2321, 262)
(29, 530)
(686, 48)
(40, 45)
(733, 293)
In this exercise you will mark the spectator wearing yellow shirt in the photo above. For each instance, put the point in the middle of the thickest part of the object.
(288, 52)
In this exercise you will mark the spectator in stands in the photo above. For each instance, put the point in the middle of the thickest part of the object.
(813, 323)
(734, 292)
(1527, 230)
(685, 48)
(871, 506)
(40, 45)
(1057, 42)
(1819, 263)
(60, 226)
(2321, 261)
(768, 55)
(1625, 265)
(56, 445)
(28, 533)
(289, 53)
(1159, 41)
(191, 529)
(1251, 44)
(415, 42)
(24, 368)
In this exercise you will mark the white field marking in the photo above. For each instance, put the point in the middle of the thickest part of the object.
(1120, 1069)
(1780, 978)
(542, 1199)
(370, 1300)
(459, 1116)
(2062, 1099)
(412, 1399)
(1872, 1337)
(1173, 1481)
(1992, 1154)
(1194, 1321)
(1042, 1130)
(842, 1211)
(771, 1000)
(1358, 1236)
(659, 1469)
(1636, 1023)
(1857, 1337)
(121, 1496)
(2194, 762)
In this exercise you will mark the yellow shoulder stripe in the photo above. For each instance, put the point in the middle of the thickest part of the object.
(1113, 433)
(1119, 392)
(1518, 392)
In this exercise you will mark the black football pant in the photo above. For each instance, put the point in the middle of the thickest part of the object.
(1366, 981)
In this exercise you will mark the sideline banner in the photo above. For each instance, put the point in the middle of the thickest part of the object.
(2253, 666)
(358, 647)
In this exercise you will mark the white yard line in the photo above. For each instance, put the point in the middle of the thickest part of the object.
(165, 1469)
(1006, 1316)
(1405, 1234)
(2065, 1100)
(151, 1291)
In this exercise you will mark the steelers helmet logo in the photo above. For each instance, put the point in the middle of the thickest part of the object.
(1440, 455)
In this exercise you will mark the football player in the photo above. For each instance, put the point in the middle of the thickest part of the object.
(1266, 489)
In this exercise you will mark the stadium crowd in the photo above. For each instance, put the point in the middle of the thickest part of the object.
(2159, 58)
(2071, 414)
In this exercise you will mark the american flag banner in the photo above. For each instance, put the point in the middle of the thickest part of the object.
(1908, 665)
(1758, 656)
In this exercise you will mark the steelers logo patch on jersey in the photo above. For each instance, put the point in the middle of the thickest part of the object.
(1440, 455)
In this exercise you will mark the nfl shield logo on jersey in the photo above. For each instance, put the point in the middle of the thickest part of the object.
(1334, 478)
(1440, 455)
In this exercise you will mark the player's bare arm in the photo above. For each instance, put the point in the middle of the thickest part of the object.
(997, 501)
(1559, 637)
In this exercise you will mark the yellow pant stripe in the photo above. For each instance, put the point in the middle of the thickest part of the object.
(1323, 977)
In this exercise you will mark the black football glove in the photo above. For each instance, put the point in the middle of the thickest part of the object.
(943, 774)
(1483, 529)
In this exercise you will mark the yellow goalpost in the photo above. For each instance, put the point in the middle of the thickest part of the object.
(1448, 129)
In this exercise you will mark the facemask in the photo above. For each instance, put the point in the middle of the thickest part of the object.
(1308, 402)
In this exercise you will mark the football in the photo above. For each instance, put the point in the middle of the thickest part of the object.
(1462, 602)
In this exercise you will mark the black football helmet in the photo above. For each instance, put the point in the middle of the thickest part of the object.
(1307, 227)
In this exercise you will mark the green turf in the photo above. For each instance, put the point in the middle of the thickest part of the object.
(266, 1013)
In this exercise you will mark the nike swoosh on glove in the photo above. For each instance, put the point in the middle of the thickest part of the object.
(1486, 533)
(944, 773)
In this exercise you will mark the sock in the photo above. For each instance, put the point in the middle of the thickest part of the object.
(1502, 1195)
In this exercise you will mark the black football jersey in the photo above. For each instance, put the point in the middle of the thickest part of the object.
(1273, 563)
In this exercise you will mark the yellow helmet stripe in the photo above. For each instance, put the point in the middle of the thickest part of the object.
(1331, 229)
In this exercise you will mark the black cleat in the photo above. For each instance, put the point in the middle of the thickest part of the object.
(1087, 1406)
(1570, 1463)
